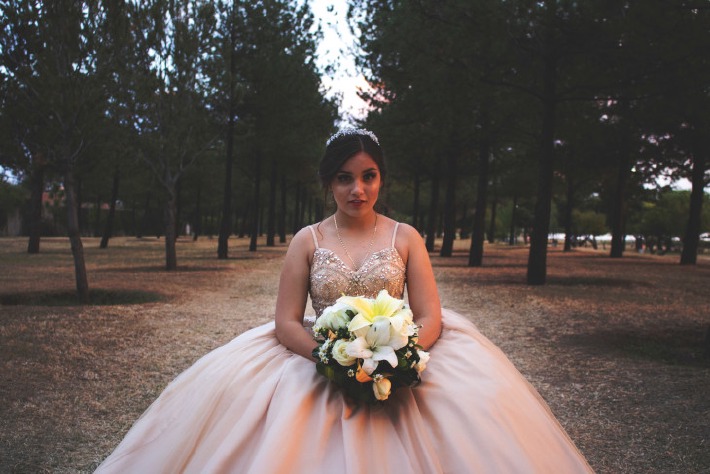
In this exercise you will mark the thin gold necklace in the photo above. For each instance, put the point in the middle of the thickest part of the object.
(369, 249)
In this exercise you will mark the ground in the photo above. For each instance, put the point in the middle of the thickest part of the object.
(615, 346)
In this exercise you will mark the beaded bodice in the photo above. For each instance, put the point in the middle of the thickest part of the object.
(331, 278)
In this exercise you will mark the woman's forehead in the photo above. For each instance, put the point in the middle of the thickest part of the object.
(358, 163)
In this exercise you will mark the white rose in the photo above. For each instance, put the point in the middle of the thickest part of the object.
(340, 353)
(334, 317)
(382, 387)
(423, 359)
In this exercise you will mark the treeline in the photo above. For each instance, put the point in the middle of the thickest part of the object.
(554, 112)
(207, 112)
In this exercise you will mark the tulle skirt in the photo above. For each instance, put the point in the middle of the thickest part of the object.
(253, 406)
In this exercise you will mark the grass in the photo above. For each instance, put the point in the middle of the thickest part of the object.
(615, 346)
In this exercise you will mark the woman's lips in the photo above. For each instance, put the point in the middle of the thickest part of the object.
(357, 202)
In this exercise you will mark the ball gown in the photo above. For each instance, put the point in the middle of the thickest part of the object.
(253, 406)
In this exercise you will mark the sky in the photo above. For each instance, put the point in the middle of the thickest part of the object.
(339, 48)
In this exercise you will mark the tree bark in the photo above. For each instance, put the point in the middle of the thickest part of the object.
(108, 228)
(537, 257)
(475, 256)
(282, 214)
(197, 219)
(691, 239)
(513, 216)
(568, 214)
(77, 248)
(271, 218)
(35, 214)
(170, 236)
(255, 206)
(415, 203)
(618, 213)
(492, 225)
(447, 244)
(297, 209)
(433, 209)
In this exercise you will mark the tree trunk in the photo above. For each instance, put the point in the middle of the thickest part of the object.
(255, 206)
(197, 218)
(225, 228)
(433, 209)
(97, 217)
(170, 237)
(447, 244)
(77, 248)
(35, 214)
(689, 255)
(475, 256)
(492, 225)
(297, 209)
(282, 214)
(415, 204)
(618, 213)
(108, 228)
(537, 257)
(271, 218)
(513, 216)
(568, 215)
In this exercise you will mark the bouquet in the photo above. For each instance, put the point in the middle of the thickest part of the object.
(368, 347)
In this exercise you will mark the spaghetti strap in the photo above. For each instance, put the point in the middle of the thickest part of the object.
(313, 233)
(394, 234)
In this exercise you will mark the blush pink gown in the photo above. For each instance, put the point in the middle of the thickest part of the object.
(253, 406)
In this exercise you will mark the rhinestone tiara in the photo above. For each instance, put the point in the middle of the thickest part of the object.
(352, 131)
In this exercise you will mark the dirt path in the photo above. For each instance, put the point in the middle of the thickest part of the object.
(614, 346)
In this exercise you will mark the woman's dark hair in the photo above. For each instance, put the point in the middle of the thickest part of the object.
(344, 145)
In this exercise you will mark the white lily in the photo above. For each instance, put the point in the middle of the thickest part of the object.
(378, 343)
(369, 309)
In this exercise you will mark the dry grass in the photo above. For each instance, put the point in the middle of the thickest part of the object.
(614, 346)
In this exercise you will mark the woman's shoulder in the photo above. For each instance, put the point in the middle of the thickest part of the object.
(303, 241)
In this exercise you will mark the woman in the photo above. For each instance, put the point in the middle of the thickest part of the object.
(258, 405)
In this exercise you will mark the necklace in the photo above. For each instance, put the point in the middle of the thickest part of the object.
(342, 244)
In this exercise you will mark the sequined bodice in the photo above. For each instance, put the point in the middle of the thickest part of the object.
(331, 278)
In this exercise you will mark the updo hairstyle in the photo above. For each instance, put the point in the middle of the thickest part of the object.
(344, 145)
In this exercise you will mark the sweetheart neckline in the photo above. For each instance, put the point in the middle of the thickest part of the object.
(350, 270)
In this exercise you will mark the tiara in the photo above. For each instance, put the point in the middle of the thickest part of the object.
(352, 131)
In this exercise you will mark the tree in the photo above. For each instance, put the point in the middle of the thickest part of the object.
(49, 59)
(172, 118)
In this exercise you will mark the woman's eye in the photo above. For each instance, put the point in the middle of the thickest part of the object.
(370, 176)
(343, 178)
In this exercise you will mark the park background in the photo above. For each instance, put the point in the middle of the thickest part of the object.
(554, 131)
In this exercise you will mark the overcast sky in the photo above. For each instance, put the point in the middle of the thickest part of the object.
(339, 48)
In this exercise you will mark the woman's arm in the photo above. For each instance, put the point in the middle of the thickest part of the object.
(293, 294)
(421, 287)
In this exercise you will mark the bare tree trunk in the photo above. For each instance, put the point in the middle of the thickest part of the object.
(255, 206)
(513, 217)
(271, 218)
(537, 257)
(297, 210)
(170, 236)
(447, 244)
(35, 214)
(415, 204)
(492, 224)
(108, 228)
(433, 209)
(618, 214)
(197, 218)
(568, 214)
(691, 239)
(77, 248)
(282, 214)
(475, 256)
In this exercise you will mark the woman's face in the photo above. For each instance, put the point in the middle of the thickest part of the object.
(356, 185)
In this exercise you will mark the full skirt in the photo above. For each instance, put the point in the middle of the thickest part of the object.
(253, 406)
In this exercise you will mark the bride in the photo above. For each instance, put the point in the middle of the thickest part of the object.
(257, 405)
